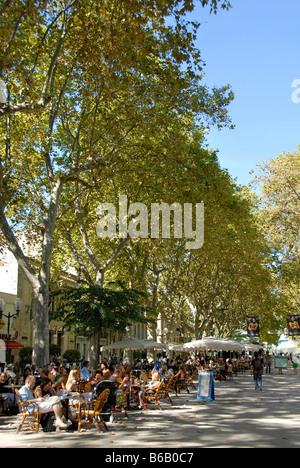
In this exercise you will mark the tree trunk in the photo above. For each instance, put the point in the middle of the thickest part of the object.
(40, 356)
(94, 351)
(42, 295)
(40, 283)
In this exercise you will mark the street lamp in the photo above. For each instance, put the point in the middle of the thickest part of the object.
(18, 305)
(2, 93)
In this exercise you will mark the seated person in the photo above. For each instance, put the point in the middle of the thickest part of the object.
(43, 404)
(26, 373)
(4, 380)
(45, 388)
(106, 372)
(71, 384)
(181, 374)
(118, 379)
(61, 379)
(95, 381)
(85, 373)
(4, 392)
(170, 372)
(151, 387)
(10, 371)
(223, 369)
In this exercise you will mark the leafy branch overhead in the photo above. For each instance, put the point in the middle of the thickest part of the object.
(90, 308)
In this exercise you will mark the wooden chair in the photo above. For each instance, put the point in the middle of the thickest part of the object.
(144, 375)
(120, 406)
(153, 396)
(80, 384)
(173, 385)
(190, 381)
(182, 384)
(34, 423)
(88, 387)
(164, 390)
(134, 390)
(36, 392)
(62, 385)
(90, 413)
(229, 373)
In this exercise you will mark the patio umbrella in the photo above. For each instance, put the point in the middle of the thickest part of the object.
(150, 344)
(176, 347)
(129, 343)
(133, 343)
(214, 344)
(251, 347)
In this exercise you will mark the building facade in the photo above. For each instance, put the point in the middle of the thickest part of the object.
(14, 284)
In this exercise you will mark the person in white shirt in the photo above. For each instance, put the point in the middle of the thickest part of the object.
(10, 372)
(45, 404)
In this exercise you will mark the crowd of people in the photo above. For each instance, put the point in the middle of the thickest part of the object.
(39, 388)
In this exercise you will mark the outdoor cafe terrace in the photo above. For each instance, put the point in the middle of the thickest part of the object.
(96, 398)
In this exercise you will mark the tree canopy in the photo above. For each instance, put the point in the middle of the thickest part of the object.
(108, 99)
(279, 183)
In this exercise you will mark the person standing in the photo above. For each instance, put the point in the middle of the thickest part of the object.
(268, 362)
(257, 367)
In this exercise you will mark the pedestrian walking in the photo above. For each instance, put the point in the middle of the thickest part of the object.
(257, 367)
(267, 362)
(294, 358)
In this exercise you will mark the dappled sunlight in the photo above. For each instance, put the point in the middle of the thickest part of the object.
(240, 417)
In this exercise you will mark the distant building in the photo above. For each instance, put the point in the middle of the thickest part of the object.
(13, 284)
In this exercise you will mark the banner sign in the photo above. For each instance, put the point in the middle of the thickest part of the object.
(281, 362)
(206, 386)
(253, 327)
(293, 325)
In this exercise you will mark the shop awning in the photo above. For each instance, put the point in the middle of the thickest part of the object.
(15, 345)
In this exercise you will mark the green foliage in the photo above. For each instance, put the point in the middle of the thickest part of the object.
(279, 211)
(54, 349)
(25, 357)
(91, 309)
(106, 99)
(71, 355)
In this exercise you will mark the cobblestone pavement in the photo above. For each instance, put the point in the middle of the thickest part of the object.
(239, 418)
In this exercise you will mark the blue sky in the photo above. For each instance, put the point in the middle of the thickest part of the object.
(255, 46)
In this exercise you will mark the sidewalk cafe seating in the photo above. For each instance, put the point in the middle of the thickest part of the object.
(229, 373)
(32, 419)
(173, 385)
(121, 398)
(91, 413)
(144, 375)
(182, 384)
(153, 396)
(81, 384)
(190, 381)
(111, 400)
(163, 391)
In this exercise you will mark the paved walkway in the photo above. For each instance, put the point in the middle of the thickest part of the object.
(239, 418)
